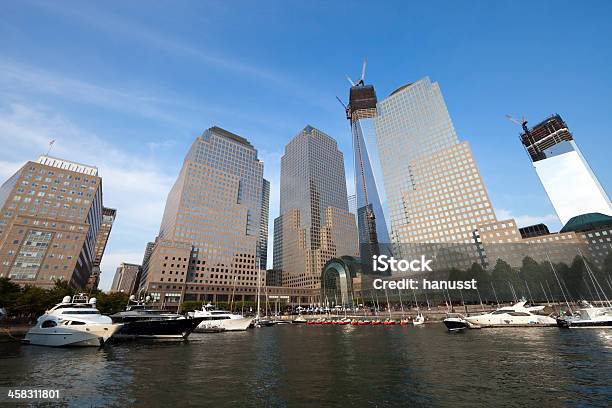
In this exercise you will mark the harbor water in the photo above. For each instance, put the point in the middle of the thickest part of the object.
(313, 366)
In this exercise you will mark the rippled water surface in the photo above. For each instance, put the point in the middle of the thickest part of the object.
(318, 366)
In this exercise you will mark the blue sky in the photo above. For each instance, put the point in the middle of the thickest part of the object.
(127, 86)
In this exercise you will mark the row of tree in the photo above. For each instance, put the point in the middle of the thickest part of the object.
(29, 302)
(537, 282)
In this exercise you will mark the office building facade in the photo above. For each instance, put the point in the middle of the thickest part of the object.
(314, 223)
(126, 278)
(51, 213)
(210, 232)
(435, 193)
(108, 218)
(262, 244)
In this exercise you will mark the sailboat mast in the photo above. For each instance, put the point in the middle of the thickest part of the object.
(258, 288)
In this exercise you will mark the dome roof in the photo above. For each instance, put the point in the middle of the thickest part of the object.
(401, 88)
(587, 222)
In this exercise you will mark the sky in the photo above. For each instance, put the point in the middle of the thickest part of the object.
(127, 86)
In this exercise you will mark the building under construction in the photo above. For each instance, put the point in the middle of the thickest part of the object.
(570, 183)
(370, 217)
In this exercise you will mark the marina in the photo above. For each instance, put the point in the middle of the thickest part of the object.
(300, 365)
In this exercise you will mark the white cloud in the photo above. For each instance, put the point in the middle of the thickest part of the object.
(135, 186)
(21, 77)
(149, 36)
(111, 261)
(551, 220)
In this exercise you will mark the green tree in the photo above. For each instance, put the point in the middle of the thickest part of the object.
(504, 278)
(483, 282)
(191, 305)
(9, 292)
(109, 303)
(456, 274)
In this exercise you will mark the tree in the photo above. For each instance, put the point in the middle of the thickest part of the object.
(9, 291)
(483, 282)
(32, 302)
(504, 279)
(109, 303)
(456, 275)
(191, 305)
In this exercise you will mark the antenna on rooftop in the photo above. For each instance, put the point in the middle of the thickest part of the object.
(51, 143)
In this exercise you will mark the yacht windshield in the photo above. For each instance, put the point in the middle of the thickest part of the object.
(92, 311)
(502, 312)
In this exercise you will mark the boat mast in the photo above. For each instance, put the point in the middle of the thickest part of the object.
(388, 305)
(559, 282)
(258, 288)
(594, 279)
(399, 291)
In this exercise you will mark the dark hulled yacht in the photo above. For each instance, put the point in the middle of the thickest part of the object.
(142, 322)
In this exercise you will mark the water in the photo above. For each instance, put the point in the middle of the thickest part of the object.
(320, 366)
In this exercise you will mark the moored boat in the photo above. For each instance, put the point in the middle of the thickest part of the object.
(74, 322)
(519, 314)
(299, 320)
(221, 318)
(456, 322)
(142, 322)
(587, 316)
(419, 320)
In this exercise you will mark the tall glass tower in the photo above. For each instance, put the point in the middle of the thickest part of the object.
(566, 176)
(434, 190)
(370, 217)
(210, 234)
(314, 223)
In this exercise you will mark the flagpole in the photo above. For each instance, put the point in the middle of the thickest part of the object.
(50, 146)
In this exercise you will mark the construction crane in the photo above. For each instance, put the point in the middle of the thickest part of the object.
(361, 81)
(522, 123)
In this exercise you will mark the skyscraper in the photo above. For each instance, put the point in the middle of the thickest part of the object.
(352, 204)
(125, 278)
(370, 217)
(209, 234)
(262, 244)
(51, 211)
(566, 176)
(314, 223)
(108, 218)
(434, 191)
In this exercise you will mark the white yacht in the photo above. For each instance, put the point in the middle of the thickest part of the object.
(588, 316)
(220, 319)
(74, 322)
(520, 314)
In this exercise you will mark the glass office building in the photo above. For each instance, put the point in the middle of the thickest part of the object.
(210, 234)
(314, 223)
(369, 212)
(570, 183)
(435, 193)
